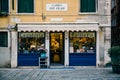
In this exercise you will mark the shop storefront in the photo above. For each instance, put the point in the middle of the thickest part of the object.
(29, 44)
(65, 46)
(82, 48)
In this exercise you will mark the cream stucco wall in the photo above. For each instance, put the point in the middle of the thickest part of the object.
(70, 15)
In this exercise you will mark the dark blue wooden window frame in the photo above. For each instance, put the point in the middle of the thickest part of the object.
(82, 59)
(25, 6)
(30, 59)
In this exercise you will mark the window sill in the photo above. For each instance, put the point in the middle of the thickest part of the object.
(88, 13)
(25, 13)
(3, 14)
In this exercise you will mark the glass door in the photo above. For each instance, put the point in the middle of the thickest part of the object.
(56, 48)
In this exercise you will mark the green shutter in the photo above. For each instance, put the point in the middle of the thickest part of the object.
(88, 6)
(4, 5)
(84, 5)
(25, 6)
(91, 5)
(3, 39)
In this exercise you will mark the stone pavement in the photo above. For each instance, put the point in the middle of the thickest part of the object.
(82, 73)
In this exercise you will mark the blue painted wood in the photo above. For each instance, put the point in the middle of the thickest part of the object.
(28, 59)
(82, 59)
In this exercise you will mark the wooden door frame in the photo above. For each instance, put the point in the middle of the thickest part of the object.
(63, 52)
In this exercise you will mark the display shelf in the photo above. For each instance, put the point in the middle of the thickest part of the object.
(43, 62)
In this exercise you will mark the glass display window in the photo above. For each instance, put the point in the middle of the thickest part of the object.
(82, 42)
(30, 42)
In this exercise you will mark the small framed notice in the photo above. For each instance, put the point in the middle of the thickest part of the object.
(56, 7)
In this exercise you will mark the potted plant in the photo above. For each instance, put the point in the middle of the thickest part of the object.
(114, 53)
(43, 52)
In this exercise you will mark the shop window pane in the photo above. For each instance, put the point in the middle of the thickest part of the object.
(4, 5)
(3, 39)
(30, 42)
(25, 6)
(82, 42)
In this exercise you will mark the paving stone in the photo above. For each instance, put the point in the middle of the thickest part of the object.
(59, 74)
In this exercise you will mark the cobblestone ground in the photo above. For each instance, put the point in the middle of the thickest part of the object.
(59, 74)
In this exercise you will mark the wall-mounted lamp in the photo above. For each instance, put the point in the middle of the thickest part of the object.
(43, 17)
(101, 28)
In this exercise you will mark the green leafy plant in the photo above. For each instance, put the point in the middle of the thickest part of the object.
(114, 53)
